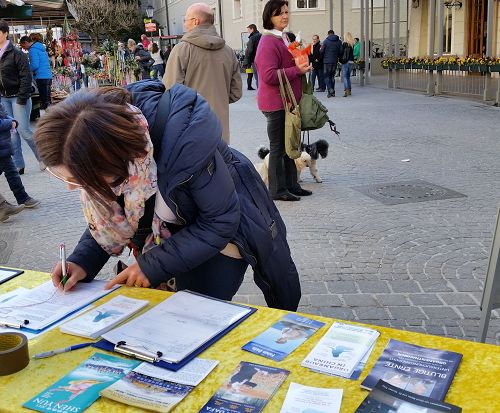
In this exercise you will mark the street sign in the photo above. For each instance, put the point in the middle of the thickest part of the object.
(150, 27)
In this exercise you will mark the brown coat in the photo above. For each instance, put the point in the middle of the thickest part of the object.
(203, 61)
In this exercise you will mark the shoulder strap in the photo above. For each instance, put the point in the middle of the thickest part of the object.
(158, 127)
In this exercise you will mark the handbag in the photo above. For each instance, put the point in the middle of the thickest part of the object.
(292, 117)
(313, 113)
(345, 54)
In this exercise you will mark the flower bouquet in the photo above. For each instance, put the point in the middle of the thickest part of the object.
(299, 51)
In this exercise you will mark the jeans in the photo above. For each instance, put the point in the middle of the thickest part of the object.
(321, 78)
(44, 89)
(329, 72)
(346, 75)
(21, 113)
(158, 71)
(255, 75)
(219, 277)
(13, 179)
(282, 172)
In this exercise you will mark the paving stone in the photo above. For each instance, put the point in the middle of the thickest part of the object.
(367, 314)
(391, 299)
(425, 299)
(373, 287)
(467, 285)
(405, 286)
(406, 313)
(342, 287)
(440, 312)
(325, 300)
(434, 286)
(359, 300)
(339, 313)
(457, 298)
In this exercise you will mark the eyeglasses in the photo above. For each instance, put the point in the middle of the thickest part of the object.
(61, 178)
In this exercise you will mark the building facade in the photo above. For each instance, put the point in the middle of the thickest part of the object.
(463, 23)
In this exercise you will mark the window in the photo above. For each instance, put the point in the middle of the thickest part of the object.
(237, 9)
(307, 4)
(447, 29)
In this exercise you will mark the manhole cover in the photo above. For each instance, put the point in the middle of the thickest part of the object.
(393, 193)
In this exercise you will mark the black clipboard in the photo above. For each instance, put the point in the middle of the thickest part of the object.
(104, 344)
(7, 274)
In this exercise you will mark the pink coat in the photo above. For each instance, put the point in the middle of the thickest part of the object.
(272, 54)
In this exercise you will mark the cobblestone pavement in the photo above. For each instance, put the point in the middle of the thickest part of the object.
(416, 266)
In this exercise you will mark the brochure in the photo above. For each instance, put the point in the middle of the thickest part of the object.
(341, 349)
(103, 318)
(305, 399)
(147, 392)
(248, 389)
(385, 398)
(283, 337)
(420, 370)
(80, 388)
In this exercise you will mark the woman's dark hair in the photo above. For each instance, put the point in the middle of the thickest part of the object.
(94, 134)
(271, 9)
(155, 48)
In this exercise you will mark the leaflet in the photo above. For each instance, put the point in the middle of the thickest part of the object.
(300, 399)
(44, 305)
(341, 349)
(283, 337)
(103, 318)
(191, 374)
(194, 318)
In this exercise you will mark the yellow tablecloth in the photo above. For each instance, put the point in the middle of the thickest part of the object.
(475, 387)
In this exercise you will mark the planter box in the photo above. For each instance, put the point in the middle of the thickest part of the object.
(477, 68)
(494, 68)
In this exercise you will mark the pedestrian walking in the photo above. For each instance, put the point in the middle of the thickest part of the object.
(347, 62)
(7, 123)
(204, 62)
(142, 57)
(196, 213)
(157, 56)
(15, 92)
(316, 60)
(273, 55)
(145, 41)
(331, 49)
(40, 68)
(250, 52)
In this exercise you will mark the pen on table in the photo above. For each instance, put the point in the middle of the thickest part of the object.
(61, 350)
(64, 267)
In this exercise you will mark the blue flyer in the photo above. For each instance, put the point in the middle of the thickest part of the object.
(283, 337)
(78, 389)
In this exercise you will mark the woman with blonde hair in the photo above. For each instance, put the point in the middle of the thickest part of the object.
(347, 62)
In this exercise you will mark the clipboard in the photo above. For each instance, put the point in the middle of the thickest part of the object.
(122, 348)
(7, 274)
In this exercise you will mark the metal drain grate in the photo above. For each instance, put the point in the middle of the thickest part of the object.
(406, 192)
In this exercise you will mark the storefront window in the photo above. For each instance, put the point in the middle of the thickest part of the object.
(307, 4)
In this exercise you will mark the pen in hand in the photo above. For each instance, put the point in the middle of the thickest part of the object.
(61, 350)
(64, 265)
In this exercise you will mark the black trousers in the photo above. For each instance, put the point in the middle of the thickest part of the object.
(219, 277)
(282, 172)
(44, 89)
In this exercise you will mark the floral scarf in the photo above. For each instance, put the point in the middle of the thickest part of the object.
(113, 231)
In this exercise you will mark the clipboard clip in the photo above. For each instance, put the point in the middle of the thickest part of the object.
(128, 350)
(9, 324)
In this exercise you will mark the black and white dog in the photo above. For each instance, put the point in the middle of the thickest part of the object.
(310, 154)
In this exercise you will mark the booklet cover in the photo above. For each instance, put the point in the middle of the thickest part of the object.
(80, 388)
(283, 337)
(306, 399)
(424, 371)
(385, 398)
(147, 392)
(248, 389)
(103, 318)
(341, 349)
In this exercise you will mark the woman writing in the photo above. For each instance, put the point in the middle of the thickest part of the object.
(196, 213)
(273, 55)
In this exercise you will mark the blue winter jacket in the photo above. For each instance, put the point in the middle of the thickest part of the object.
(216, 193)
(331, 49)
(39, 61)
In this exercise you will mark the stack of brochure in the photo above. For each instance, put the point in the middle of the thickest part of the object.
(302, 398)
(341, 349)
(101, 319)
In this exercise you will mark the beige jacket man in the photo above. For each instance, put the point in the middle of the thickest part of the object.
(203, 61)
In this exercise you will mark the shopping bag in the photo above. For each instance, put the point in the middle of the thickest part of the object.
(292, 117)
